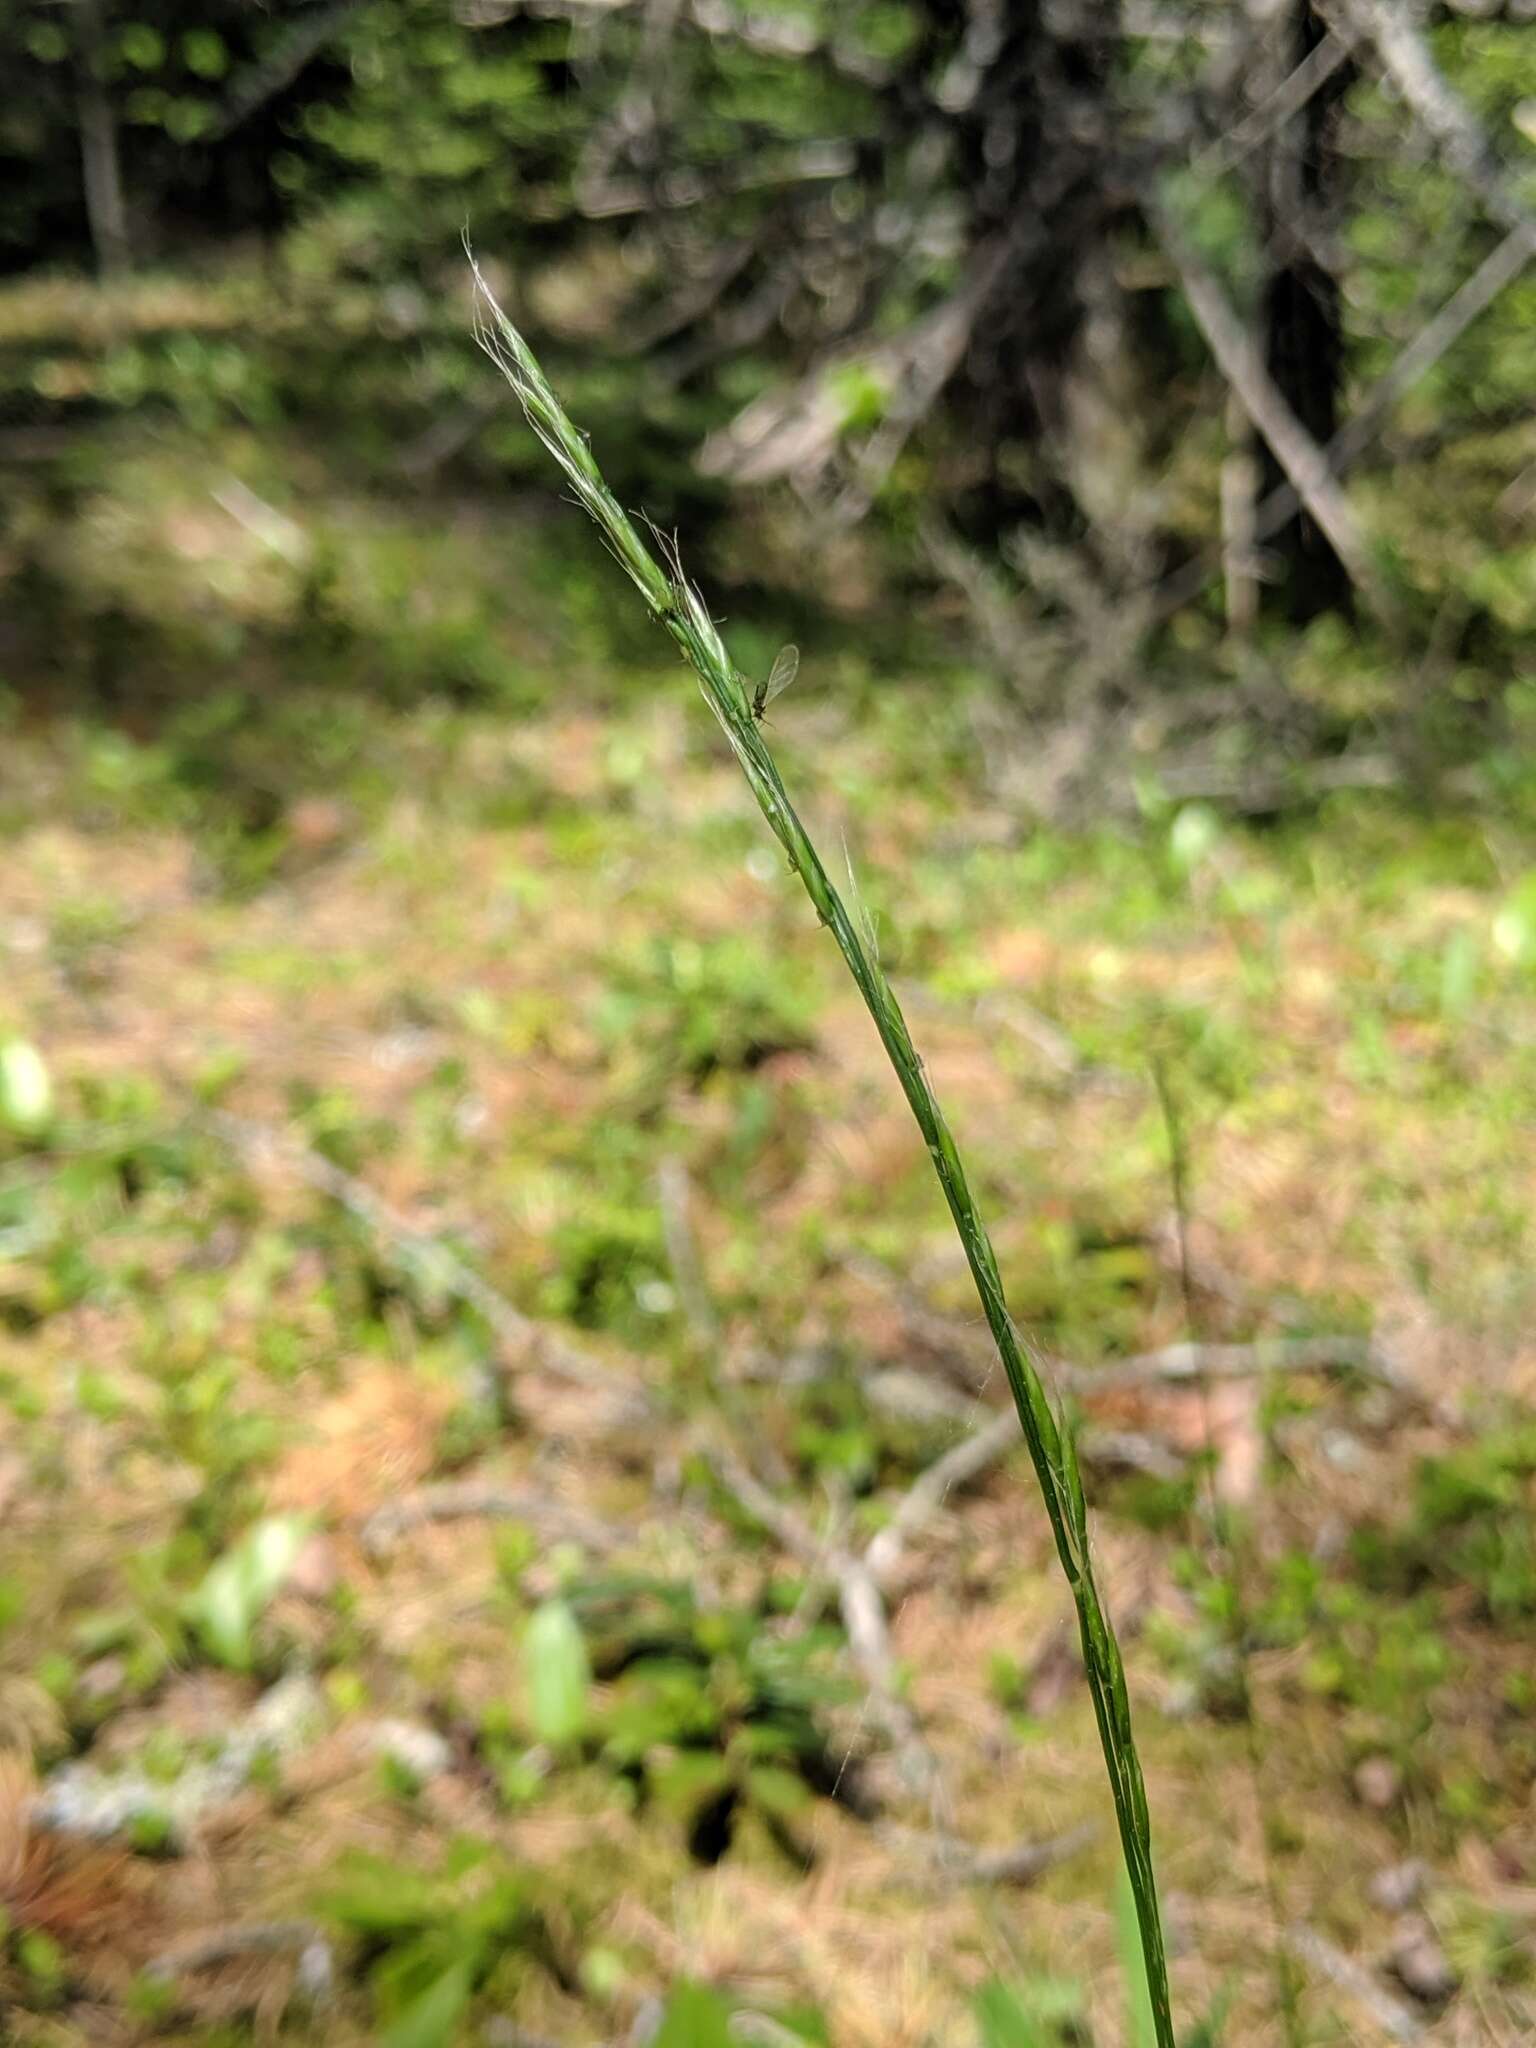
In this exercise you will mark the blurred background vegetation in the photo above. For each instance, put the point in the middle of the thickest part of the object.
(881, 299)
(466, 1292)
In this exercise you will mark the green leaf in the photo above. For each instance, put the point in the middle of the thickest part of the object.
(26, 1092)
(860, 395)
(48, 43)
(1193, 836)
(695, 2017)
(1514, 928)
(142, 46)
(429, 2021)
(559, 1674)
(203, 52)
(1002, 2020)
(777, 1791)
(688, 1781)
(1141, 2030)
(242, 1585)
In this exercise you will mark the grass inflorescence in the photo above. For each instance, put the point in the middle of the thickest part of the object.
(679, 607)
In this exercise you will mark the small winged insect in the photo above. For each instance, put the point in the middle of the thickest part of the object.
(786, 666)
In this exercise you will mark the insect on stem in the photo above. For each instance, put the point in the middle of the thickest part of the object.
(786, 666)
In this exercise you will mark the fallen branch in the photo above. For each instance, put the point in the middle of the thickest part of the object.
(948, 1339)
(960, 1348)
(957, 1862)
(863, 1613)
(1129, 1450)
(961, 1463)
(673, 1193)
(977, 1452)
(317, 1964)
(795, 432)
(473, 1500)
(946, 335)
(1389, 2013)
(677, 190)
(1261, 794)
(529, 1342)
(1177, 1364)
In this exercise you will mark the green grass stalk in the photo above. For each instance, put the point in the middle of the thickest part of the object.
(676, 605)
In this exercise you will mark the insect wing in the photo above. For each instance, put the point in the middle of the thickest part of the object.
(786, 666)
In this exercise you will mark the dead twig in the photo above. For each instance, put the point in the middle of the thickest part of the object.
(431, 1261)
(1128, 1450)
(259, 1938)
(673, 1194)
(1176, 1364)
(474, 1500)
(949, 1340)
(1390, 2014)
(976, 1452)
(961, 1463)
(1261, 795)
(796, 432)
(863, 1614)
(953, 1861)
(443, 438)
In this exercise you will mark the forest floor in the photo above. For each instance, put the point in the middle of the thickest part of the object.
(451, 1091)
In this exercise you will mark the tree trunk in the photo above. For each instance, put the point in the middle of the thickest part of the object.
(105, 207)
(1300, 312)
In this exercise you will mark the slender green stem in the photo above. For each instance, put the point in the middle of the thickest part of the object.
(676, 605)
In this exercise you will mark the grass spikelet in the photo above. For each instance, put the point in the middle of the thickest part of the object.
(678, 606)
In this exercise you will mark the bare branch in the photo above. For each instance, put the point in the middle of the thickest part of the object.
(956, 1862)
(949, 1340)
(961, 1463)
(1391, 2015)
(1436, 105)
(274, 73)
(982, 1446)
(1182, 1363)
(1499, 268)
(673, 1192)
(431, 1260)
(795, 432)
(678, 189)
(863, 1614)
(475, 1500)
(1303, 461)
(1282, 105)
